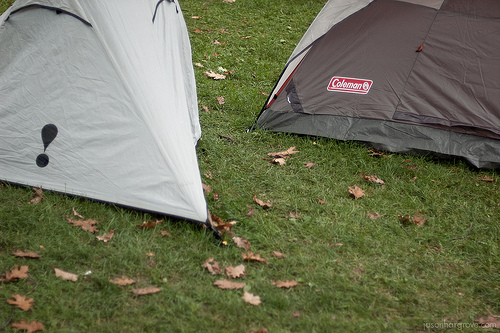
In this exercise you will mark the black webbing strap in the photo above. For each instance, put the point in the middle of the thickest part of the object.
(158, 5)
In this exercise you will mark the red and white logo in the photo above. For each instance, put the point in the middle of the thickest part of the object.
(350, 85)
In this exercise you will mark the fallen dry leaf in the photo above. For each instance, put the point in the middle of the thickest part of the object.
(294, 215)
(216, 42)
(37, 196)
(32, 255)
(21, 302)
(220, 225)
(251, 298)
(106, 237)
(488, 322)
(310, 165)
(285, 284)
(165, 233)
(284, 153)
(261, 203)
(419, 219)
(296, 314)
(279, 161)
(150, 224)
(215, 76)
(374, 216)
(15, 274)
(250, 256)
(321, 202)
(212, 266)
(122, 281)
(373, 179)
(145, 291)
(228, 1)
(278, 255)
(246, 37)
(241, 243)
(356, 192)
(34, 326)
(221, 100)
(197, 31)
(87, 225)
(235, 272)
(66, 275)
(206, 188)
(487, 179)
(76, 213)
(251, 211)
(205, 108)
(226, 284)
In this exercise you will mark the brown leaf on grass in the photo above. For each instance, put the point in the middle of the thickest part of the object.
(21, 302)
(310, 165)
(251, 298)
(246, 37)
(216, 42)
(279, 161)
(212, 266)
(250, 256)
(321, 202)
(87, 225)
(261, 203)
(241, 243)
(373, 179)
(206, 109)
(215, 76)
(122, 281)
(226, 284)
(76, 213)
(221, 100)
(356, 192)
(235, 272)
(21, 254)
(278, 255)
(220, 225)
(374, 216)
(488, 179)
(165, 233)
(405, 219)
(251, 211)
(416, 219)
(145, 291)
(284, 153)
(285, 284)
(148, 225)
(296, 314)
(206, 188)
(489, 322)
(260, 330)
(263, 93)
(376, 153)
(106, 237)
(229, 1)
(197, 31)
(34, 326)
(37, 196)
(294, 215)
(15, 274)
(65, 275)
(198, 65)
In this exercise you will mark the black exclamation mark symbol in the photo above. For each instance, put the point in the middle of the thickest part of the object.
(49, 133)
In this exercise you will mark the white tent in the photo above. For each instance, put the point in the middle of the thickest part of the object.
(98, 99)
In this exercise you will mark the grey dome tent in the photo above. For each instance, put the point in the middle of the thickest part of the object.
(402, 76)
(98, 100)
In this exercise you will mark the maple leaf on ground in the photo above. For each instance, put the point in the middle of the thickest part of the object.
(285, 284)
(206, 188)
(21, 302)
(15, 274)
(221, 100)
(37, 196)
(145, 291)
(106, 237)
(310, 165)
(76, 213)
(489, 322)
(220, 225)
(197, 64)
(279, 161)
(34, 326)
(419, 219)
(251, 298)
(65, 275)
(32, 255)
(87, 225)
(356, 192)
(250, 256)
(235, 272)
(278, 255)
(374, 179)
(215, 76)
(373, 215)
(197, 31)
(284, 153)
(251, 211)
(150, 224)
(261, 203)
(212, 266)
(241, 243)
(226, 284)
(122, 281)
(206, 109)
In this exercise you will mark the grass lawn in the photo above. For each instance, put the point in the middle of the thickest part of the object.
(360, 265)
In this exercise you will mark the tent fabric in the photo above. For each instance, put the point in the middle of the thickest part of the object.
(106, 111)
(426, 68)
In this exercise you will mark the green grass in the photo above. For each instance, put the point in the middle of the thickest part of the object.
(385, 277)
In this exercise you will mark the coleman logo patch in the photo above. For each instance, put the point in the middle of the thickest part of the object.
(349, 85)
